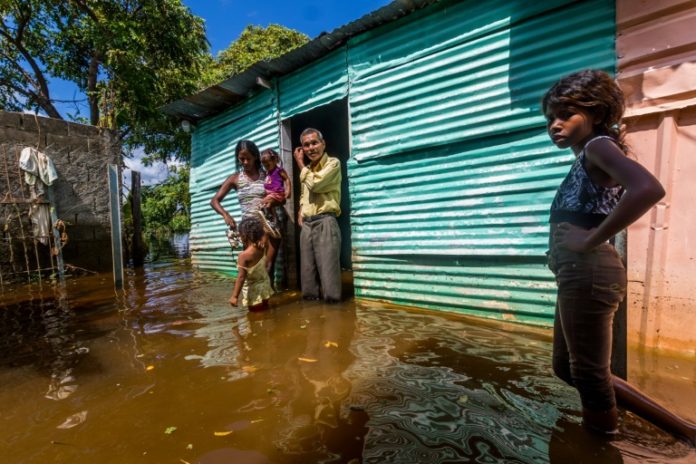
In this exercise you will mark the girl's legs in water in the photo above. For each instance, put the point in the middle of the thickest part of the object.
(259, 307)
(272, 246)
(605, 419)
(632, 399)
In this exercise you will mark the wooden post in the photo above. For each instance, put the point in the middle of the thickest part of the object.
(115, 218)
(137, 220)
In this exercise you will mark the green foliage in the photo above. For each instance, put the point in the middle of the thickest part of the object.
(128, 57)
(253, 45)
(166, 207)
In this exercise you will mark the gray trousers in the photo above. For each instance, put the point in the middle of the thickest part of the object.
(320, 258)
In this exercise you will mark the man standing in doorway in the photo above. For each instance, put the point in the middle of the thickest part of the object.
(320, 237)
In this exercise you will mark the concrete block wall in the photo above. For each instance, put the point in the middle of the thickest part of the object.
(81, 154)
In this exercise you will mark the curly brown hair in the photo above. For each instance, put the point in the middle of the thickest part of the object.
(596, 93)
(251, 230)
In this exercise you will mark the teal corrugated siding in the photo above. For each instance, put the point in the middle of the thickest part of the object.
(484, 287)
(452, 173)
(471, 70)
(314, 85)
(212, 161)
(485, 199)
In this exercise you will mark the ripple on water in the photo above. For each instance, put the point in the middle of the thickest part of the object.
(305, 382)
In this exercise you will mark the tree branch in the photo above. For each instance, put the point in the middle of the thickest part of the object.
(81, 5)
(19, 68)
(43, 97)
(92, 94)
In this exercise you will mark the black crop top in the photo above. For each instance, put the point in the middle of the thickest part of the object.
(581, 202)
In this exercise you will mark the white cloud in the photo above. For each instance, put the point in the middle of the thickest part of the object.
(156, 173)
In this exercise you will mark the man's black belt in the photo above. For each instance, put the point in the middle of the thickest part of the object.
(317, 217)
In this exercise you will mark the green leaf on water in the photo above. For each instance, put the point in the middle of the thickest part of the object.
(462, 400)
(169, 430)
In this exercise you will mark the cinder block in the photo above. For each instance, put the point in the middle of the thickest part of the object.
(52, 126)
(10, 119)
(82, 130)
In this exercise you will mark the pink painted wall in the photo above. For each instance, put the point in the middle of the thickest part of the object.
(656, 44)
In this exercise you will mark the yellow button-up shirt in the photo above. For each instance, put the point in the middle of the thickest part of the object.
(321, 187)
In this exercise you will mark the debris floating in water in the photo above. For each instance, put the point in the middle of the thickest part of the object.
(74, 420)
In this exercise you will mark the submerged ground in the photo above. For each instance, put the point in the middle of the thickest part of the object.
(167, 372)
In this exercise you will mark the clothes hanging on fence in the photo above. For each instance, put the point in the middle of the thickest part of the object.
(38, 166)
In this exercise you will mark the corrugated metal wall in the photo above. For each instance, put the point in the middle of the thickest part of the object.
(314, 85)
(656, 44)
(212, 161)
(451, 174)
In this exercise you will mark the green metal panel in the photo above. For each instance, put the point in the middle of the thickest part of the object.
(486, 287)
(470, 70)
(452, 173)
(314, 85)
(490, 198)
(212, 161)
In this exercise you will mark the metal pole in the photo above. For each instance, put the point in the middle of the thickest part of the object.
(56, 235)
(619, 352)
(115, 218)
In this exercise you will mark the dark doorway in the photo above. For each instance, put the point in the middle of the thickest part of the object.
(332, 121)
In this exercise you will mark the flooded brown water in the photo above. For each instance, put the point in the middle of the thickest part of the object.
(166, 372)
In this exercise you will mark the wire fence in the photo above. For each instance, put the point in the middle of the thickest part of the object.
(27, 252)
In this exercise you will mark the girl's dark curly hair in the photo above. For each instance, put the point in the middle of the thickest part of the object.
(596, 93)
(251, 230)
(249, 146)
(271, 153)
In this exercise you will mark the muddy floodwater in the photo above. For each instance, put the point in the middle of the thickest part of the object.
(167, 372)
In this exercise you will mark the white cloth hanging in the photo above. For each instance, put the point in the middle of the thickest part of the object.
(38, 166)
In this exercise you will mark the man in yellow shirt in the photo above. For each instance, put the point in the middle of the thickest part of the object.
(320, 236)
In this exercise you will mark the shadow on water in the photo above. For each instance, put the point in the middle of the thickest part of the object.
(166, 371)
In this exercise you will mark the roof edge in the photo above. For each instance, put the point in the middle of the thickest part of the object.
(217, 98)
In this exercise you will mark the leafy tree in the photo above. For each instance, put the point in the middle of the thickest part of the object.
(166, 207)
(129, 57)
(254, 44)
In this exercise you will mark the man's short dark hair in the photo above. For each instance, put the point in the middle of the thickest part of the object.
(311, 130)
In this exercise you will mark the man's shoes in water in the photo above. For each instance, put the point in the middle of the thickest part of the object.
(268, 225)
(234, 238)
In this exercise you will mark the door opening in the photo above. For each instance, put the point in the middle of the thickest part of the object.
(332, 121)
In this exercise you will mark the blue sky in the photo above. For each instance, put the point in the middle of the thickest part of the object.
(224, 21)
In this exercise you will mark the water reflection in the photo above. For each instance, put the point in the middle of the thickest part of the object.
(169, 372)
(38, 329)
(226, 330)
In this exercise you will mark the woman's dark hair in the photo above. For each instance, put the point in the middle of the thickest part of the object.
(249, 146)
(251, 230)
(596, 93)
